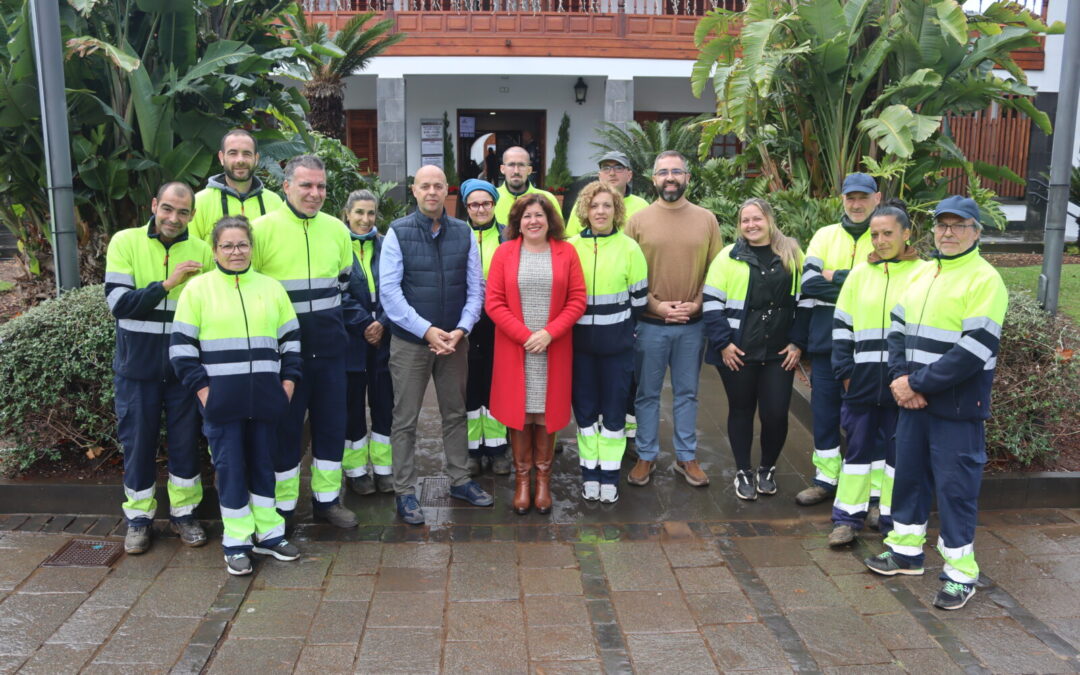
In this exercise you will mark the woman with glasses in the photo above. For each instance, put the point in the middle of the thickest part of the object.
(367, 362)
(236, 345)
(487, 435)
(757, 330)
(535, 294)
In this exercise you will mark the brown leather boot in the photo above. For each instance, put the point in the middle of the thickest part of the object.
(543, 453)
(521, 446)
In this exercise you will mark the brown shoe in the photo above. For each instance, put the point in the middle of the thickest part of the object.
(641, 473)
(521, 447)
(692, 472)
(543, 454)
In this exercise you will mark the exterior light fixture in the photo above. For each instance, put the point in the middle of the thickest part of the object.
(580, 90)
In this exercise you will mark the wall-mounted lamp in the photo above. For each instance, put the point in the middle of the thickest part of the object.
(580, 90)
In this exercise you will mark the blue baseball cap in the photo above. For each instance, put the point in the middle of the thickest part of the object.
(965, 207)
(859, 182)
(474, 184)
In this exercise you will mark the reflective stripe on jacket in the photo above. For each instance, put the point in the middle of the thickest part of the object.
(945, 333)
(136, 264)
(831, 248)
(237, 333)
(616, 288)
(860, 328)
(312, 258)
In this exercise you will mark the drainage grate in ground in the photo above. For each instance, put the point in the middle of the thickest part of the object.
(85, 553)
(435, 491)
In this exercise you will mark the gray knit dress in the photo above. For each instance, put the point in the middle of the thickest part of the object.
(534, 284)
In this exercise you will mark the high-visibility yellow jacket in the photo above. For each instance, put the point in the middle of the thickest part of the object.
(831, 248)
(632, 203)
(218, 200)
(312, 258)
(945, 334)
(237, 333)
(136, 264)
(616, 291)
(861, 324)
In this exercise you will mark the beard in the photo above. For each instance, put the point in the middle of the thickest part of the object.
(680, 190)
(238, 179)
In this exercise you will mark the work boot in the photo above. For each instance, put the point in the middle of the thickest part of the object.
(500, 465)
(190, 531)
(521, 446)
(815, 494)
(337, 515)
(361, 485)
(137, 539)
(873, 517)
(842, 535)
(692, 472)
(641, 473)
(543, 455)
(472, 465)
(384, 483)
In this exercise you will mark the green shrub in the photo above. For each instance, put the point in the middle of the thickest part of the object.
(56, 379)
(1036, 386)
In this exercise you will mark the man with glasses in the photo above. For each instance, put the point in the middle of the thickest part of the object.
(943, 346)
(146, 268)
(487, 435)
(679, 240)
(615, 172)
(515, 169)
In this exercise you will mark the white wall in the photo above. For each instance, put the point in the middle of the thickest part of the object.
(671, 94)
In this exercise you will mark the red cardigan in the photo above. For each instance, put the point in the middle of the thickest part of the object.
(503, 305)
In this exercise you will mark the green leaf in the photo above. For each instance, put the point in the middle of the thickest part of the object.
(892, 129)
(188, 162)
(18, 104)
(824, 17)
(217, 56)
(995, 172)
(953, 21)
(854, 12)
(1039, 117)
(86, 45)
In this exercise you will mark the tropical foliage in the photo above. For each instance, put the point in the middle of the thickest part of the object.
(642, 143)
(152, 86)
(820, 88)
(322, 63)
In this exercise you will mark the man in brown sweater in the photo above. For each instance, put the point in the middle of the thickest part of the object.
(679, 240)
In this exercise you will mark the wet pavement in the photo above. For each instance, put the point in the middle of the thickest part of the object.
(670, 579)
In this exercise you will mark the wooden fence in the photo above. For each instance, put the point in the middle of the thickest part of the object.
(998, 136)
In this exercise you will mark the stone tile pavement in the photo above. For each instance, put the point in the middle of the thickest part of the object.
(671, 597)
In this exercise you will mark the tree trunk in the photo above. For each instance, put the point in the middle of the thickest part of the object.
(327, 115)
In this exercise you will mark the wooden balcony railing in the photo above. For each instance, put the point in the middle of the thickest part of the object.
(657, 7)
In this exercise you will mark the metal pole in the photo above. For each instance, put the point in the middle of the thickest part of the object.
(54, 126)
(1061, 163)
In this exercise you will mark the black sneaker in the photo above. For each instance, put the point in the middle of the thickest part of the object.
(744, 486)
(238, 564)
(190, 531)
(766, 484)
(282, 551)
(361, 485)
(953, 595)
(886, 564)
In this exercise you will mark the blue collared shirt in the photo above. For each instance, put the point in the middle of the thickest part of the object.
(397, 308)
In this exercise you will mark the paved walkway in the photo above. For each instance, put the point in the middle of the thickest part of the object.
(670, 579)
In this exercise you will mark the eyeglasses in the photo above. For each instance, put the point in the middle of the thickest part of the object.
(613, 168)
(517, 165)
(242, 247)
(957, 228)
(675, 173)
(479, 206)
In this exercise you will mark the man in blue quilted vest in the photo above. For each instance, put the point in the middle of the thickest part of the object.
(432, 289)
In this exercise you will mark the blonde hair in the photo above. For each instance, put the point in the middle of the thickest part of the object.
(584, 200)
(782, 245)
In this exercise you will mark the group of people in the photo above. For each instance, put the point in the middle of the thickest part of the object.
(248, 314)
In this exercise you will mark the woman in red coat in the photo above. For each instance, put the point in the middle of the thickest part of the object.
(535, 294)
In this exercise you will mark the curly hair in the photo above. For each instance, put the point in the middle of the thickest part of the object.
(556, 229)
(588, 194)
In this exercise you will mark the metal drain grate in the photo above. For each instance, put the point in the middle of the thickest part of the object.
(435, 491)
(85, 553)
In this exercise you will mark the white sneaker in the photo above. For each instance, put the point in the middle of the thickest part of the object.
(590, 490)
(609, 494)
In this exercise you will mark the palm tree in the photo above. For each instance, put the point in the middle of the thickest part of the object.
(642, 143)
(322, 63)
